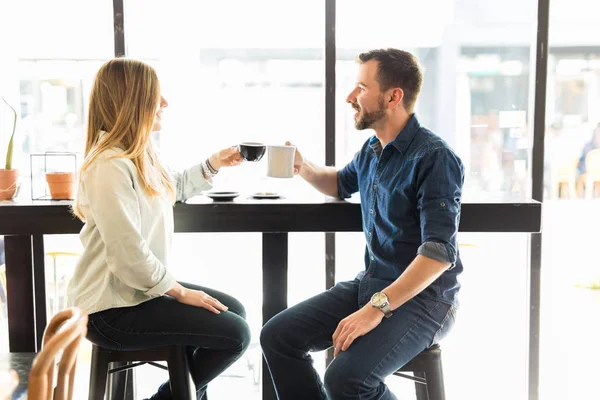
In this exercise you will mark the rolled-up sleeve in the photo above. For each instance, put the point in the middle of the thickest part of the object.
(190, 182)
(440, 178)
(347, 179)
(114, 206)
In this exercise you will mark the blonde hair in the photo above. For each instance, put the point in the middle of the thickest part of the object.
(123, 103)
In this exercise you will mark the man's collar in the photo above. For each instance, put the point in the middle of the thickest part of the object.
(403, 139)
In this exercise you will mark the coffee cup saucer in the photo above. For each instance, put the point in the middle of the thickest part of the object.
(222, 195)
(266, 195)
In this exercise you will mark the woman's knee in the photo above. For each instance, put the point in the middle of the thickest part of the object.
(233, 304)
(242, 335)
(237, 307)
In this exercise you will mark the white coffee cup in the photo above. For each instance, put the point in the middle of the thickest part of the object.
(281, 161)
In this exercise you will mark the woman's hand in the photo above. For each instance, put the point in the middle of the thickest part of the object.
(196, 298)
(228, 157)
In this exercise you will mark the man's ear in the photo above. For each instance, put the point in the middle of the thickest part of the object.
(395, 97)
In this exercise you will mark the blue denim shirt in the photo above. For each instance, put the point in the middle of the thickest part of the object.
(410, 201)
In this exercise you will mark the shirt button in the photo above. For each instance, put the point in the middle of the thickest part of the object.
(374, 187)
(443, 204)
(371, 211)
(372, 258)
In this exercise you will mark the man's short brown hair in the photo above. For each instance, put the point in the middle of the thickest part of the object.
(397, 68)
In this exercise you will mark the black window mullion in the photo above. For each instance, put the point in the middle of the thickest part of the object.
(537, 193)
(330, 58)
(119, 28)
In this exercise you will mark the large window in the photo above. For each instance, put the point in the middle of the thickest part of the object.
(230, 78)
(254, 70)
(50, 53)
(571, 271)
(475, 95)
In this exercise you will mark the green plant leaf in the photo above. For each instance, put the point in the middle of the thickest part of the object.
(9, 152)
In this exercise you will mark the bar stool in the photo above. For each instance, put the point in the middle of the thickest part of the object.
(182, 385)
(428, 374)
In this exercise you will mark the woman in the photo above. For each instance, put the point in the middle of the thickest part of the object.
(126, 200)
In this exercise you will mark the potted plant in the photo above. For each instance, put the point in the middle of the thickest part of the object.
(61, 185)
(8, 175)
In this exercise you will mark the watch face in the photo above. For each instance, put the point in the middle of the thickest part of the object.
(379, 299)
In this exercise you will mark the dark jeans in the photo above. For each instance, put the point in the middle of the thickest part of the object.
(215, 341)
(359, 372)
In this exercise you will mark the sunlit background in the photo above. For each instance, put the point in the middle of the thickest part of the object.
(251, 70)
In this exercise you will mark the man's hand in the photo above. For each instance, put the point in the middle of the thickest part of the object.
(298, 159)
(354, 326)
(228, 157)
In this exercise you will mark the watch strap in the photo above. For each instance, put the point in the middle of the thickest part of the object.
(387, 312)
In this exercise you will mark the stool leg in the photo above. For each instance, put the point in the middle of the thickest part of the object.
(420, 389)
(121, 384)
(130, 392)
(435, 382)
(98, 373)
(180, 379)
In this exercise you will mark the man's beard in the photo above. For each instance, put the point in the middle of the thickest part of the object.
(368, 118)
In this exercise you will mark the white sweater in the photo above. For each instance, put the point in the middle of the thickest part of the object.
(127, 235)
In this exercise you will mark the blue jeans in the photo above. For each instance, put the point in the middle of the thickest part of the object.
(214, 341)
(359, 372)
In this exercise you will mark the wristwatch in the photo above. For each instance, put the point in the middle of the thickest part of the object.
(380, 300)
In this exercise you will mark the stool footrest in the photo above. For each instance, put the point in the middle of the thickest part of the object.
(157, 365)
(412, 378)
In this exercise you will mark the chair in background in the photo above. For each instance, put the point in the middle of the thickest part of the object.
(592, 173)
(63, 334)
(564, 175)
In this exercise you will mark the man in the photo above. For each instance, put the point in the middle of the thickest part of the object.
(410, 184)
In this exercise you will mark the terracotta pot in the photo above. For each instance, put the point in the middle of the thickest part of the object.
(8, 183)
(61, 185)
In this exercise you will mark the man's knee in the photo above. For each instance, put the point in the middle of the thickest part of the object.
(271, 332)
(282, 333)
(346, 378)
(339, 382)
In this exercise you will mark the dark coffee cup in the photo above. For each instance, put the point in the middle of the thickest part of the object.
(252, 151)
